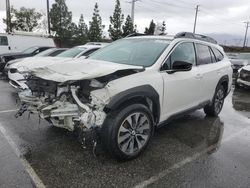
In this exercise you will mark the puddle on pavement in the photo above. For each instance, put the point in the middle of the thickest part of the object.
(241, 100)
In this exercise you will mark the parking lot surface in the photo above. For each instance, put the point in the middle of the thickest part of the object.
(193, 151)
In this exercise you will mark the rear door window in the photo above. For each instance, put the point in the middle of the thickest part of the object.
(203, 54)
(3, 41)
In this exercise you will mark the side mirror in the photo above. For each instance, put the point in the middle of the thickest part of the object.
(180, 66)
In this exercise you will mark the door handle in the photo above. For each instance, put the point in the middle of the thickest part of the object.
(9, 48)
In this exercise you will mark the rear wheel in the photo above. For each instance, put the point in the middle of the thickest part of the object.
(127, 132)
(215, 107)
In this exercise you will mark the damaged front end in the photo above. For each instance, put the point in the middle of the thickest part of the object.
(66, 105)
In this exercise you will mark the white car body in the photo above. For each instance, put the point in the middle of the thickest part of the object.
(92, 93)
(201, 79)
(17, 78)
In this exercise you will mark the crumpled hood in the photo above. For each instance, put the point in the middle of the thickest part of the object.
(28, 64)
(79, 69)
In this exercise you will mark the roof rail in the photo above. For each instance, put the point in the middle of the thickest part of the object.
(195, 36)
(135, 35)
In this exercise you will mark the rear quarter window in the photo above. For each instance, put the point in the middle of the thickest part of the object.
(203, 54)
(218, 55)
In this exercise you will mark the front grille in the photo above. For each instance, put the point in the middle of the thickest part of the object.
(245, 75)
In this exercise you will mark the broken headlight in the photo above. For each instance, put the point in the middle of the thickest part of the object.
(96, 84)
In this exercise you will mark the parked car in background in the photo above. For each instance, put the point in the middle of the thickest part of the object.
(243, 79)
(239, 60)
(17, 79)
(82, 51)
(127, 89)
(52, 52)
(32, 51)
(19, 41)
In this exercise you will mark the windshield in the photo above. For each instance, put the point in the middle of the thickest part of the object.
(73, 52)
(139, 52)
(45, 53)
(30, 50)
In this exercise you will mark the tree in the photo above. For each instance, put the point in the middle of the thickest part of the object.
(25, 19)
(82, 30)
(115, 27)
(95, 26)
(42, 24)
(128, 27)
(61, 20)
(160, 28)
(163, 27)
(151, 29)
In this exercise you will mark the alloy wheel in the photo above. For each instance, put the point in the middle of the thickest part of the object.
(219, 100)
(134, 133)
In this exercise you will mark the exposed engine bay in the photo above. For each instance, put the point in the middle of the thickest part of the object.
(71, 104)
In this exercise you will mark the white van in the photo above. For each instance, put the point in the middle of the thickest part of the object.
(17, 42)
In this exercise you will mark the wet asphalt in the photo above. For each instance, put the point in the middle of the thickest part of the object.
(193, 151)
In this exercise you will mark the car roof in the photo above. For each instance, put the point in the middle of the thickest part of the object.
(172, 38)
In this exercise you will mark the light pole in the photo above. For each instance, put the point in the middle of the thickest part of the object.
(245, 39)
(133, 10)
(195, 19)
(48, 17)
(8, 17)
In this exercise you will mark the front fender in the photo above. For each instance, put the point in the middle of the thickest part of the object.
(144, 91)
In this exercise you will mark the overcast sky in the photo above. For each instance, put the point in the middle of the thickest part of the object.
(215, 16)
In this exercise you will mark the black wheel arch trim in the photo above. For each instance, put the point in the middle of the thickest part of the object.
(224, 78)
(144, 91)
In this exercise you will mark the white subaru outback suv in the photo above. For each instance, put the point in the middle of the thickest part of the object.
(127, 89)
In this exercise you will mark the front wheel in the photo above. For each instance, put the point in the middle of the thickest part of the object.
(215, 107)
(126, 132)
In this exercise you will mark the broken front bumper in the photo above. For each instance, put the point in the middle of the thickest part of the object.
(62, 113)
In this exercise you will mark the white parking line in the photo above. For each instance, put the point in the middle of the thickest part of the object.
(37, 181)
(7, 111)
(174, 167)
(182, 163)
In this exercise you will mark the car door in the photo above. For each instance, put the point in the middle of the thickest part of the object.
(181, 89)
(208, 69)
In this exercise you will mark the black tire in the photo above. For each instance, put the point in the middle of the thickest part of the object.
(216, 106)
(116, 127)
